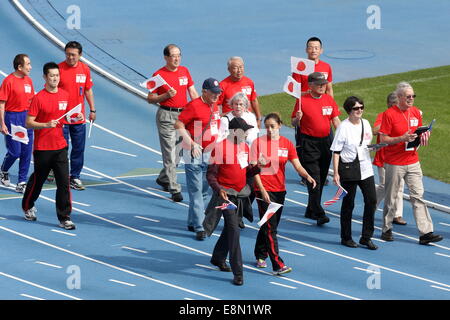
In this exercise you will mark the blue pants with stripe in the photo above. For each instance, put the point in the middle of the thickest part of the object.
(15, 149)
(77, 133)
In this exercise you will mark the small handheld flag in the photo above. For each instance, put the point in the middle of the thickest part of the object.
(153, 83)
(71, 114)
(271, 210)
(302, 66)
(19, 133)
(227, 205)
(292, 87)
(340, 194)
(90, 128)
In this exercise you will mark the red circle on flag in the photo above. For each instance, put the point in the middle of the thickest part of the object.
(74, 115)
(20, 134)
(291, 87)
(301, 66)
(151, 84)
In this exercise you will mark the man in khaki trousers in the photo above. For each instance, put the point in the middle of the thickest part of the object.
(402, 163)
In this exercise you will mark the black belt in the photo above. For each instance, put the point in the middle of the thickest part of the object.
(171, 108)
(302, 135)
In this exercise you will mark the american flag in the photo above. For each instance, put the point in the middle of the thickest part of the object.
(340, 194)
(424, 137)
(227, 205)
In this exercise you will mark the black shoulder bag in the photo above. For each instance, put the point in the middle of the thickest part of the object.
(351, 171)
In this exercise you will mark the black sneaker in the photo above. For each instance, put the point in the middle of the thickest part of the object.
(177, 197)
(164, 185)
(387, 236)
(430, 237)
(221, 265)
(322, 220)
(200, 235)
(349, 243)
(368, 243)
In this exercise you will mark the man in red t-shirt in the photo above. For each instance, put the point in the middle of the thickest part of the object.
(46, 117)
(198, 125)
(236, 82)
(171, 97)
(76, 80)
(16, 93)
(401, 161)
(313, 114)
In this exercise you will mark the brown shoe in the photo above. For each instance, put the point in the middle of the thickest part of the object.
(399, 220)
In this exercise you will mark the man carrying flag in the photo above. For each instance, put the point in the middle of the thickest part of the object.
(16, 93)
(171, 98)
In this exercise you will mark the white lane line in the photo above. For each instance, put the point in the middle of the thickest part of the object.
(366, 270)
(206, 267)
(91, 175)
(188, 299)
(298, 221)
(37, 285)
(442, 255)
(148, 219)
(301, 192)
(49, 264)
(114, 151)
(282, 285)
(81, 204)
(436, 287)
(444, 224)
(294, 253)
(66, 233)
(3, 74)
(155, 189)
(134, 249)
(31, 297)
(379, 240)
(121, 282)
(1, 218)
(105, 263)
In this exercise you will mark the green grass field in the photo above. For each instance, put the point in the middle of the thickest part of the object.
(432, 89)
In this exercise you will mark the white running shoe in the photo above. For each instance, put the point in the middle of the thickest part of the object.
(76, 184)
(21, 186)
(30, 214)
(68, 225)
(4, 178)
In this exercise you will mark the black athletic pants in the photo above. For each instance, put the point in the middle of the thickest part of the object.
(44, 160)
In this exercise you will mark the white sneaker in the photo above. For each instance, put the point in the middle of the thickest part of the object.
(68, 225)
(76, 184)
(30, 214)
(21, 186)
(4, 178)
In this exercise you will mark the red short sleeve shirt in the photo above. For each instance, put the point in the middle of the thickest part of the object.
(278, 152)
(17, 93)
(396, 123)
(201, 123)
(75, 81)
(231, 173)
(180, 80)
(322, 67)
(230, 88)
(47, 106)
(317, 114)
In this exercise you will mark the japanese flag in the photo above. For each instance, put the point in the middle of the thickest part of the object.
(292, 87)
(271, 210)
(302, 66)
(153, 83)
(19, 133)
(73, 113)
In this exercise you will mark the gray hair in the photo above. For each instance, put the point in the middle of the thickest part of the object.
(401, 87)
(234, 58)
(392, 99)
(240, 96)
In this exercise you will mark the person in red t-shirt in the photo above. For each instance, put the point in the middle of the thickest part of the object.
(401, 161)
(171, 99)
(46, 117)
(379, 162)
(16, 93)
(227, 175)
(314, 113)
(76, 80)
(236, 82)
(198, 125)
(270, 185)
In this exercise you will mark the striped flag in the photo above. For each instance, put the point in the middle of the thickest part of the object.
(340, 194)
(424, 137)
(271, 210)
(227, 205)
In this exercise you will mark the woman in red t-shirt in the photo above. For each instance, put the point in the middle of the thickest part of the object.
(270, 185)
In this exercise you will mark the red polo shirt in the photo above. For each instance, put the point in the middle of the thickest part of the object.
(180, 80)
(317, 114)
(230, 88)
(17, 93)
(200, 121)
(47, 106)
(396, 123)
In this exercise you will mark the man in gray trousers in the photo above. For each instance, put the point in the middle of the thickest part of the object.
(171, 98)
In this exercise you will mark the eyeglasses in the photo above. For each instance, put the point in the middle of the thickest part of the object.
(358, 108)
(410, 96)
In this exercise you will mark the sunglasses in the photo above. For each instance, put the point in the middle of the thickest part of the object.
(358, 108)
(410, 96)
